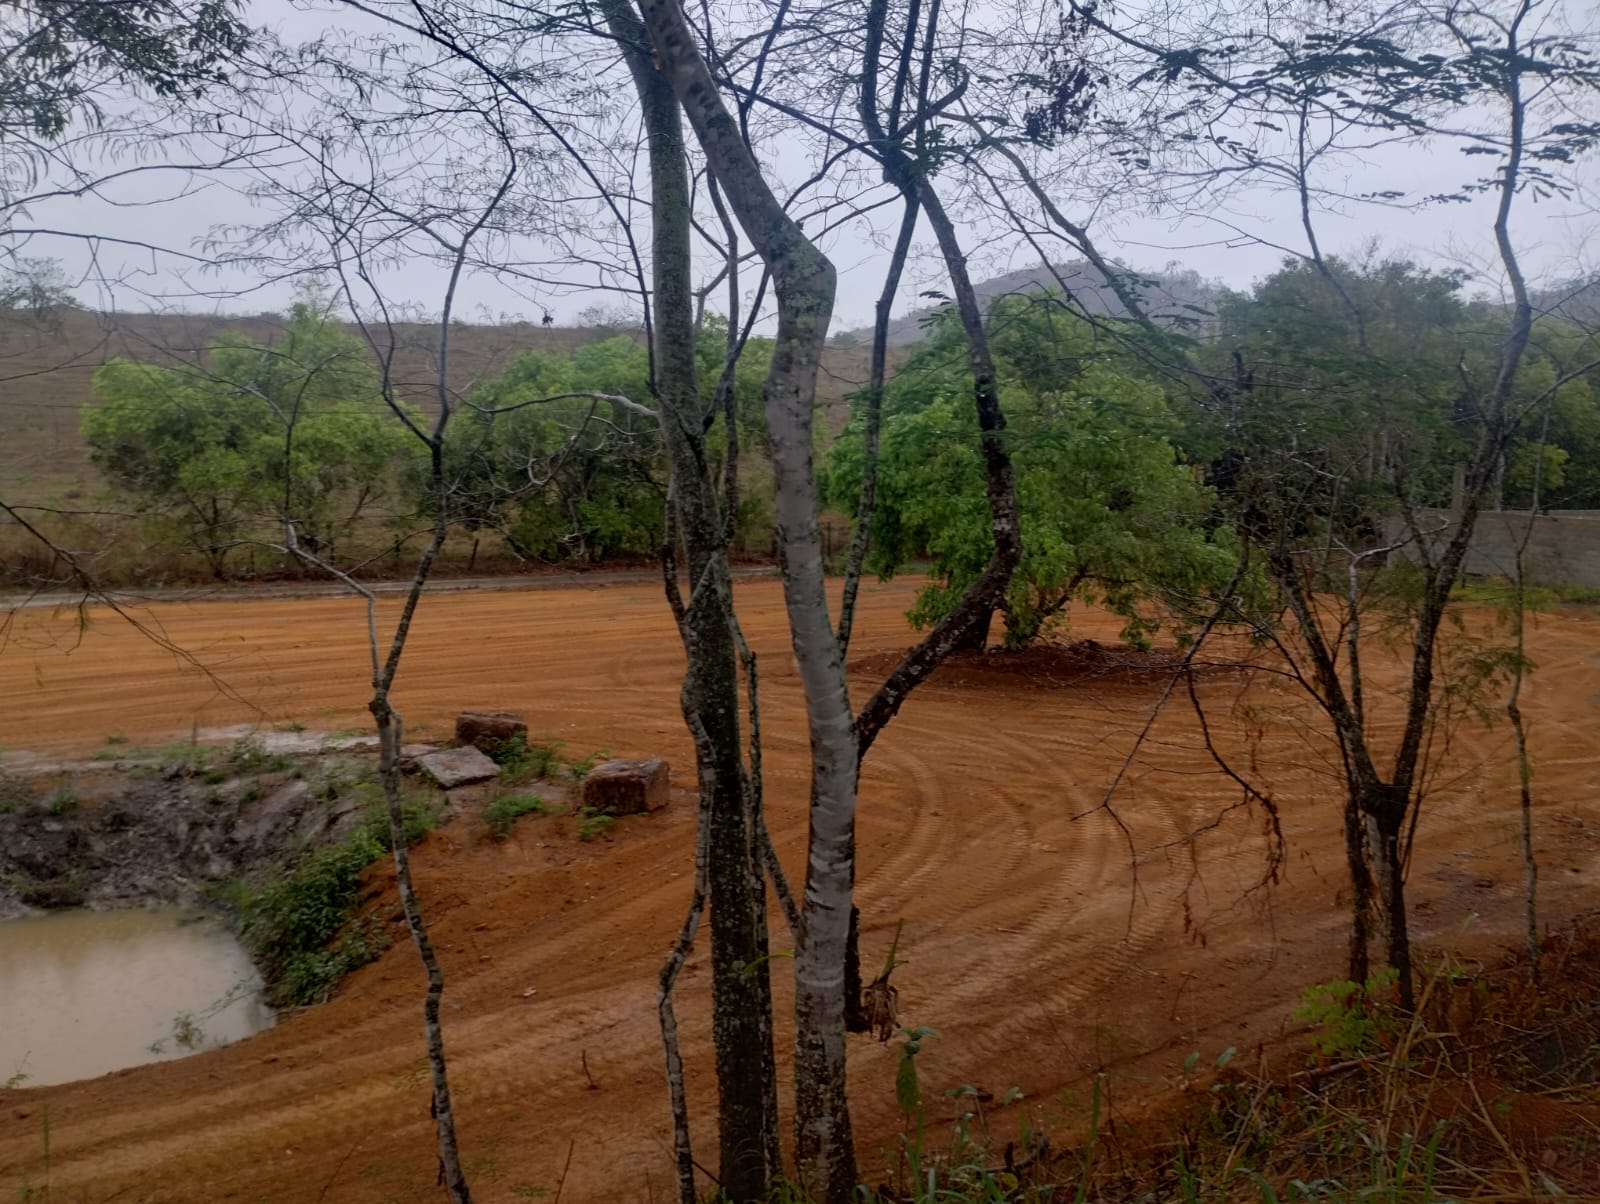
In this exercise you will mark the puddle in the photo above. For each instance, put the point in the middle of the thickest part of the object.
(83, 993)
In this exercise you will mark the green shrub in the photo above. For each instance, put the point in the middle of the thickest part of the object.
(502, 814)
(291, 922)
(301, 927)
(519, 759)
(1350, 1022)
(312, 975)
(418, 817)
(594, 824)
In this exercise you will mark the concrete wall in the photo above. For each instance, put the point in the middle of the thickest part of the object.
(1563, 547)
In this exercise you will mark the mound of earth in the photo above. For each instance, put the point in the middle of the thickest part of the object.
(1050, 664)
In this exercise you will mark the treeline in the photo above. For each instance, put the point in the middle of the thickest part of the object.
(258, 454)
(1324, 405)
(1122, 460)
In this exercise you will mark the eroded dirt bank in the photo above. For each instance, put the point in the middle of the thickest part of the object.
(168, 826)
(1033, 948)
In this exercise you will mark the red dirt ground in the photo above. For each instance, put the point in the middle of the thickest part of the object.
(1033, 949)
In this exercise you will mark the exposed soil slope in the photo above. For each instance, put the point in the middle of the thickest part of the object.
(1032, 947)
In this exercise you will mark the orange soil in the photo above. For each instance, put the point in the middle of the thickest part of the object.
(1031, 947)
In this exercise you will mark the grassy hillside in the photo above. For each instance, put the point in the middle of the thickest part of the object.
(46, 368)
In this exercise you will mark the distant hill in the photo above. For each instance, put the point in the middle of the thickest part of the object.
(1171, 297)
(46, 366)
(1577, 300)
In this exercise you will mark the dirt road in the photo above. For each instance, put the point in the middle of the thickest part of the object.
(1034, 949)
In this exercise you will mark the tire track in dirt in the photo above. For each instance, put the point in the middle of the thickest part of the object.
(1028, 949)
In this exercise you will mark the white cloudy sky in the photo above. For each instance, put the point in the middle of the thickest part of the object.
(1235, 247)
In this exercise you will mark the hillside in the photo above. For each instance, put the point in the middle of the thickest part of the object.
(46, 366)
(1170, 297)
(46, 369)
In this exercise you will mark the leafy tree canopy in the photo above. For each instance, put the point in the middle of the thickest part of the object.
(36, 286)
(254, 435)
(1110, 511)
(57, 55)
(1348, 396)
(574, 477)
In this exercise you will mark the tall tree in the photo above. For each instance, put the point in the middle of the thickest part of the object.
(1281, 105)
(803, 283)
(729, 868)
(1110, 511)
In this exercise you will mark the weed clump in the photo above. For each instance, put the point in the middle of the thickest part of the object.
(519, 760)
(250, 755)
(62, 802)
(302, 926)
(594, 823)
(501, 815)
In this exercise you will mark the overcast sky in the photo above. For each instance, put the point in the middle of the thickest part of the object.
(1234, 248)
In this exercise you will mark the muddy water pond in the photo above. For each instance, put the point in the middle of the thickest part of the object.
(87, 992)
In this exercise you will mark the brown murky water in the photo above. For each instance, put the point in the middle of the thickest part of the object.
(83, 993)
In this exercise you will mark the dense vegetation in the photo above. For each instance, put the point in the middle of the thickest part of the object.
(210, 462)
(1307, 462)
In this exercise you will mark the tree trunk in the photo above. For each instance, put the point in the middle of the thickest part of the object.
(741, 982)
(1355, 850)
(976, 637)
(1387, 807)
(451, 1176)
(1391, 889)
(803, 283)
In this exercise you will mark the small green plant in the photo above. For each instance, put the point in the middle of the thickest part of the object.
(593, 824)
(502, 814)
(293, 727)
(63, 802)
(580, 769)
(1350, 1021)
(249, 755)
(116, 738)
(519, 760)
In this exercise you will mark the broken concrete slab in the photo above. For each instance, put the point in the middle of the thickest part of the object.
(452, 767)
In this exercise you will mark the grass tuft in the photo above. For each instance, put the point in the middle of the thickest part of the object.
(501, 815)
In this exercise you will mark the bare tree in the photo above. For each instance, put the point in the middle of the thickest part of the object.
(1309, 83)
(343, 214)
